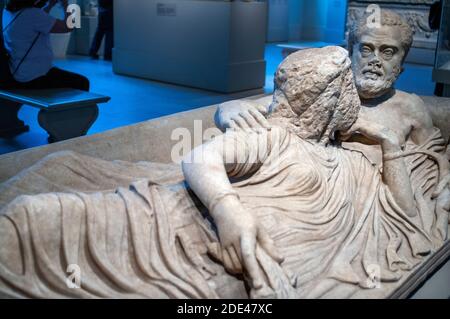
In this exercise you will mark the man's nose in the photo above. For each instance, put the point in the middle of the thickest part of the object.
(375, 60)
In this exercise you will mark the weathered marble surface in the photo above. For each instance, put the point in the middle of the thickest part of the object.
(150, 240)
(288, 213)
(377, 56)
(117, 145)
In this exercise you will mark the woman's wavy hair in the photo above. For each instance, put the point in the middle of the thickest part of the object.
(315, 95)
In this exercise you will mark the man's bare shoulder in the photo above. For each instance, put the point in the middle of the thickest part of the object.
(414, 108)
(409, 98)
(410, 101)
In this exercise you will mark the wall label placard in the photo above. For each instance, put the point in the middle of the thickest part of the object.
(166, 10)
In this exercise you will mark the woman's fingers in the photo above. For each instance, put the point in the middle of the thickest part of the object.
(228, 257)
(260, 119)
(269, 246)
(241, 123)
(251, 121)
(233, 125)
(261, 109)
(248, 252)
(250, 118)
(235, 260)
(227, 263)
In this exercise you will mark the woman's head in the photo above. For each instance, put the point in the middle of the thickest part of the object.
(17, 5)
(315, 95)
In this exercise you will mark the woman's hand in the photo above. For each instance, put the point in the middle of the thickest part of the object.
(241, 115)
(239, 233)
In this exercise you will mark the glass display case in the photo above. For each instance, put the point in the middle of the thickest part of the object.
(441, 72)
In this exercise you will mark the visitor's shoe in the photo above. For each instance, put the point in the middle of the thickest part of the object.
(94, 56)
(109, 58)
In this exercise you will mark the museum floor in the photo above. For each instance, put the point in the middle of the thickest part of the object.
(136, 100)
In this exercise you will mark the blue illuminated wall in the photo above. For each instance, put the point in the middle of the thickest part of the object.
(278, 21)
(335, 26)
(311, 20)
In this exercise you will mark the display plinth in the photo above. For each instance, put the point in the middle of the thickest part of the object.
(211, 45)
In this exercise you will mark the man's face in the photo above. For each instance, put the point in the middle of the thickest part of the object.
(377, 61)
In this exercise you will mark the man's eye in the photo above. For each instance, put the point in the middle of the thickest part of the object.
(388, 53)
(366, 51)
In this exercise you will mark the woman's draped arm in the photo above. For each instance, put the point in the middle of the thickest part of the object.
(206, 170)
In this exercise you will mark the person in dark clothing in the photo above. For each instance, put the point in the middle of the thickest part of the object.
(105, 29)
(434, 18)
(27, 26)
(56, 78)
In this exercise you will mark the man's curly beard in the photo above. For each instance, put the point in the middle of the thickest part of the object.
(370, 88)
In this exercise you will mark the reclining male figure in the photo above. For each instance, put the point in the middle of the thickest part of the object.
(377, 54)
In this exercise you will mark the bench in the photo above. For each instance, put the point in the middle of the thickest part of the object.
(64, 113)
